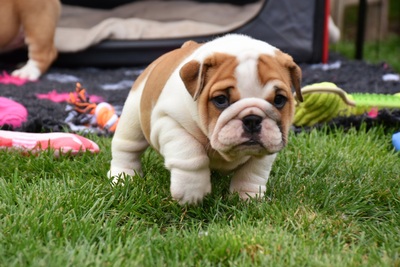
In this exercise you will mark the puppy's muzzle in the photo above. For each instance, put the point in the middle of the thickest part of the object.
(252, 124)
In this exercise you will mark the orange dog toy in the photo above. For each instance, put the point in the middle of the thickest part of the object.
(84, 112)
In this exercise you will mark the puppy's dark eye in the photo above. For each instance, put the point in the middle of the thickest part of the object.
(221, 101)
(280, 101)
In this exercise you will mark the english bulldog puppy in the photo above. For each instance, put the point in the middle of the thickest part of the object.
(224, 105)
(31, 23)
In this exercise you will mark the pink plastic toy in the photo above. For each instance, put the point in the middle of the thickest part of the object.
(61, 143)
(12, 113)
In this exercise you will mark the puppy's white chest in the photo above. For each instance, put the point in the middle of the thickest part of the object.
(218, 163)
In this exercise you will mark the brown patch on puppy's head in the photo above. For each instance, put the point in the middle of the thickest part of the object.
(212, 78)
(281, 67)
(294, 71)
(196, 75)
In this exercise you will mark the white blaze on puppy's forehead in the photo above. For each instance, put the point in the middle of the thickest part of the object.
(248, 81)
(246, 72)
(237, 44)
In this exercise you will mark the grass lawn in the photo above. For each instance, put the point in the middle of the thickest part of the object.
(333, 199)
(375, 51)
(387, 50)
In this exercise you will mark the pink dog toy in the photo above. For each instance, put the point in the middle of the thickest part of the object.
(12, 113)
(61, 143)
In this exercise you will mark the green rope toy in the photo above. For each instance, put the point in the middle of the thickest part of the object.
(325, 101)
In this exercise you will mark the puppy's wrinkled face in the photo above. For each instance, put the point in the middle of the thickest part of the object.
(245, 102)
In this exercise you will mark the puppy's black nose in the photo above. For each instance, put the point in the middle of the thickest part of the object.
(252, 124)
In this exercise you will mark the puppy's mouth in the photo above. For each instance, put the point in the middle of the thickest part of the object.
(253, 141)
(256, 145)
(251, 146)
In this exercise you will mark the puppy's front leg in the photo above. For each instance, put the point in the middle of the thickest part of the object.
(188, 186)
(250, 180)
(188, 163)
(128, 142)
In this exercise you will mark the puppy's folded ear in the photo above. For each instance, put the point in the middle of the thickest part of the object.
(192, 75)
(195, 75)
(295, 73)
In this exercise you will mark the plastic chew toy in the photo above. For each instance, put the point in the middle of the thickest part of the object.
(60, 143)
(396, 141)
(12, 113)
(325, 101)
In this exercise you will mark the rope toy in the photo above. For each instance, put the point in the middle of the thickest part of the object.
(82, 112)
(324, 101)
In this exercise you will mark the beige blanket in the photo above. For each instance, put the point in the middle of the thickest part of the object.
(80, 28)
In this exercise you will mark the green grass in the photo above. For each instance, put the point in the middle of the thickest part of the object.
(387, 50)
(333, 199)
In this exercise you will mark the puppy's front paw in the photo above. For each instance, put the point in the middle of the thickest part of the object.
(247, 190)
(250, 195)
(251, 179)
(190, 187)
(118, 175)
(30, 71)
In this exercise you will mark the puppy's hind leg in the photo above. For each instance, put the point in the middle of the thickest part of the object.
(39, 21)
(128, 142)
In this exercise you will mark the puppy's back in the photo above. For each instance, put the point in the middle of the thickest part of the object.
(156, 76)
